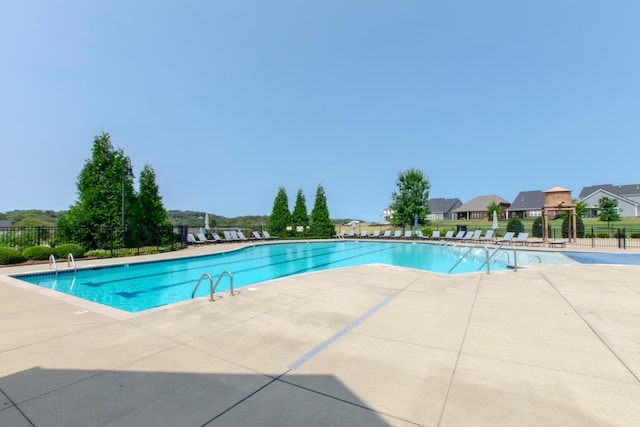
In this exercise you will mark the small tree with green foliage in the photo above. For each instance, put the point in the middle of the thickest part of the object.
(320, 225)
(493, 207)
(280, 216)
(411, 198)
(300, 217)
(536, 228)
(515, 225)
(579, 227)
(608, 209)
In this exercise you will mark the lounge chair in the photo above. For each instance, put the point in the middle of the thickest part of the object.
(217, 237)
(419, 234)
(507, 238)
(267, 236)
(204, 239)
(408, 234)
(376, 234)
(521, 239)
(227, 236)
(435, 234)
(475, 237)
(192, 240)
(460, 235)
(397, 234)
(256, 235)
(241, 236)
(488, 237)
(387, 234)
(350, 234)
(557, 243)
(448, 235)
(364, 234)
(468, 236)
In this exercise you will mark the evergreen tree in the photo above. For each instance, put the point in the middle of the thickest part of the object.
(148, 212)
(321, 225)
(300, 217)
(99, 201)
(411, 199)
(280, 216)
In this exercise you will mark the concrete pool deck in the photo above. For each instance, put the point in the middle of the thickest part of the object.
(363, 346)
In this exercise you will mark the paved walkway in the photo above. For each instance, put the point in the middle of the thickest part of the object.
(363, 346)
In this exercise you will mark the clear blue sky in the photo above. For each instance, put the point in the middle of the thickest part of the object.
(229, 100)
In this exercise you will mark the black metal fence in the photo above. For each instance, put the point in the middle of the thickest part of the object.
(110, 240)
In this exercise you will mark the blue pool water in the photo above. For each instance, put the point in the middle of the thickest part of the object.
(142, 286)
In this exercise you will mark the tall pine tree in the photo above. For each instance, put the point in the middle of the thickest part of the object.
(280, 216)
(321, 225)
(300, 217)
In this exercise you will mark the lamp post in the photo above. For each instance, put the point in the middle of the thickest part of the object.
(127, 173)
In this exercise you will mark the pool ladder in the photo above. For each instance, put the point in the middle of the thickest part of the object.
(70, 261)
(212, 287)
(489, 257)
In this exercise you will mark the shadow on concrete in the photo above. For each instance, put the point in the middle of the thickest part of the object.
(60, 397)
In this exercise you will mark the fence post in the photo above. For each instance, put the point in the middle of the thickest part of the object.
(593, 238)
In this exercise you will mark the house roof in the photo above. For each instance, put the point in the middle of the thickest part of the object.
(618, 190)
(481, 203)
(438, 205)
(528, 200)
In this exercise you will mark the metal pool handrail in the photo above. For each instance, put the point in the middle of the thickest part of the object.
(71, 260)
(515, 255)
(486, 252)
(212, 287)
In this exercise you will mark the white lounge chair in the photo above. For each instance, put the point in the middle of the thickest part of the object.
(203, 238)
(521, 239)
(460, 235)
(256, 235)
(192, 240)
(435, 234)
(448, 235)
(364, 234)
(507, 238)
(488, 236)
(397, 234)
(387, 234)
(376, 234)
(407, 234)
(267, 236)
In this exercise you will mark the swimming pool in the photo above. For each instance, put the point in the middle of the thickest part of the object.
(137, 287)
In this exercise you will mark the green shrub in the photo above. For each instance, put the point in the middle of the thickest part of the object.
(603, 235)
(515, 225)
(536, 228)
(579, 228)
(37, 252)
(635, 235)
(10, 256)
(62, 251)
(99, 253)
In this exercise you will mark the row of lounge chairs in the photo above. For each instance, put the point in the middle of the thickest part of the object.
(462, 236)
(229, 236)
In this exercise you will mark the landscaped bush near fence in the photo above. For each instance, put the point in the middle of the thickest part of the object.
(62, 251)
(603, 235)
(579, 228)
(99, 253)
(536, 228)
(515, 225)
(635, 235)
(37, 252)
(10, 256)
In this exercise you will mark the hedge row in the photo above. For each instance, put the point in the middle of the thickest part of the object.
(41, 253)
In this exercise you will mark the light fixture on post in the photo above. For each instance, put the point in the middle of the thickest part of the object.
(127, 173)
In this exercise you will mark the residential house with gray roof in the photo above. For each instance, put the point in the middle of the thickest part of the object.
(442, 208)
(528, 204)
(627, 196)
(477, 208)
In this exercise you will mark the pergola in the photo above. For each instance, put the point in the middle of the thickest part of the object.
(556, 200)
